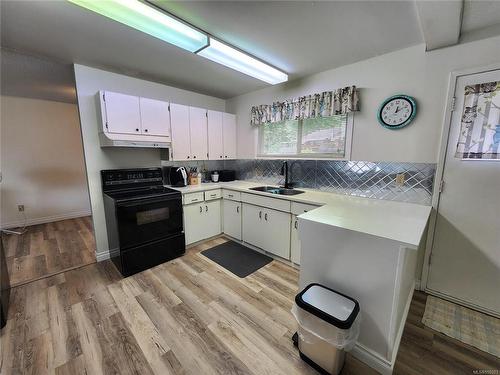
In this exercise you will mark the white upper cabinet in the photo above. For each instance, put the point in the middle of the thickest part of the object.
(122, 113)
(198, 131)
(179, 122)
(229, 135)
(155, 117)
(215, 140)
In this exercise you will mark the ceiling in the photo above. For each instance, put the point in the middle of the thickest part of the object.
(299, 38)
(480, 14)
(30, 77)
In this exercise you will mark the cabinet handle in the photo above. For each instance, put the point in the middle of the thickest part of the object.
(194, 200)
(201, 209)
(238, 209)
(260, 214)
(206, 208)
(188, 157)
(146, 130)
(225, 156)
(230, 195)
(194, 157)
(213, 195)
(221, 156)
(265, 216)
(296, 224)
(136, 130)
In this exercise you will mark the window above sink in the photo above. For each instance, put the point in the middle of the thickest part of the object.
(320, 137)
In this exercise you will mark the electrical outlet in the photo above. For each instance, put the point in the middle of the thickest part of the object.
(400, 179)
(20, 207)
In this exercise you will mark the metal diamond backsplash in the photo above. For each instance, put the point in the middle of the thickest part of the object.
(378, 180)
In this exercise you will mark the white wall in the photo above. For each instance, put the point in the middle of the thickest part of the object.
(88, 82)
(41, 161)
(411, 71)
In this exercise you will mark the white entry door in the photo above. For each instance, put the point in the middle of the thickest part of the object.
(465, 258)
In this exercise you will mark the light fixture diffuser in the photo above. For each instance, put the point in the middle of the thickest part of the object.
(232, 58)
(149, 20)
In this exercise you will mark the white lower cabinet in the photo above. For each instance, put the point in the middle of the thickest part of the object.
(251, 224)
(202, 220)
(271, 230)
(232, 218)
(294, 241)
(267, 229)
(212, 222)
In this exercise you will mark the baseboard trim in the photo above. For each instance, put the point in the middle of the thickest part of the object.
(372, 359)
(103, 255)
(46, 219)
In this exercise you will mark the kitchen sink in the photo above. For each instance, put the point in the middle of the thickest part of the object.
(277, 190)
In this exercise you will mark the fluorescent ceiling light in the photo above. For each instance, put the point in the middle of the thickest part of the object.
(147, 19)
(237, 60)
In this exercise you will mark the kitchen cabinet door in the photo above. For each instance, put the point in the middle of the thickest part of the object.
(122, 113)
(155, 117)
(232, 218)
(294, 241)
(212, 218)
(215, 138)
(276, 233)
(198, 132)
(251, 228)
(179, 123)
(194, 222)
(229, 135)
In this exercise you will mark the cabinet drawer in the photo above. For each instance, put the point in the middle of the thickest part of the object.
(193, 197)
(232, 195)
(300, 208)
(276, 204)
(212, 194)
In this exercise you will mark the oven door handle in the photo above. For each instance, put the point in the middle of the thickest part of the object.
(140, 202)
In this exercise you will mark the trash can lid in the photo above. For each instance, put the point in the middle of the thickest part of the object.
(329, 305)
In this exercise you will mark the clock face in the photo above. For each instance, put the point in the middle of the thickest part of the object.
(397, 111)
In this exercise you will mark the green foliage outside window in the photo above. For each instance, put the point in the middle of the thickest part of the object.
(321, 135)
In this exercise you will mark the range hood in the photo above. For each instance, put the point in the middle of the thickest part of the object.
(122, 140)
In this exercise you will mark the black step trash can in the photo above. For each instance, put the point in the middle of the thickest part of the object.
(328, 327)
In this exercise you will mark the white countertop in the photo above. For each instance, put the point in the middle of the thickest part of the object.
(398, 221)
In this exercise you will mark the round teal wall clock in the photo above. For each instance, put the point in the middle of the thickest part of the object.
(397, 111)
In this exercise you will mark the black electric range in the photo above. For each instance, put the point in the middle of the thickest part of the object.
(143, 219)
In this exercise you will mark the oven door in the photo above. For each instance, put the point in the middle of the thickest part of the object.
(149, 219)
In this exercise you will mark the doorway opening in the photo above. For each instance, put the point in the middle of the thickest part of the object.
(45, 208)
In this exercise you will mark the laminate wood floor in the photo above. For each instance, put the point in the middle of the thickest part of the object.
(50, 248)
(187, 316)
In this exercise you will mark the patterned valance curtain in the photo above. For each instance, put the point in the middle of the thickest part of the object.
(326, 104)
